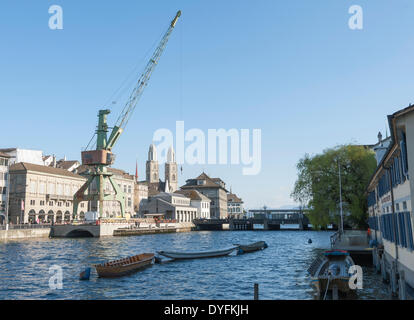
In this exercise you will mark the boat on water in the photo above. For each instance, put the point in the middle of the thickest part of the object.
(330, 273)
(196, 255)
(256, 246)
(117, 268)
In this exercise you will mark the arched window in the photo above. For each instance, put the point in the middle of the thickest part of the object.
(59, 216)
(50, 216)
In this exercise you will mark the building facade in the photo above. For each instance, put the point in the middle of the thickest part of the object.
(234, 206)
(153, 181)
(43, 194)
(171, 171)
(112, 209)
(198, 201)
(152, 169)
(140, 196)
(24, 155)
(214, 189)
(390, 197)
(4, 185)
(171, 206)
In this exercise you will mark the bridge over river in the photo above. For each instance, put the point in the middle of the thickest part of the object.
(261, 219)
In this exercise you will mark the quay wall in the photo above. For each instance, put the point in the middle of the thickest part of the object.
(24, 233)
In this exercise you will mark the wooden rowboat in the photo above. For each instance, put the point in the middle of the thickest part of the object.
(260, 245)
(117, 268)
(196, 255)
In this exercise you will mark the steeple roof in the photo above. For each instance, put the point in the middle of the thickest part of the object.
(170, 155)
(152, 153)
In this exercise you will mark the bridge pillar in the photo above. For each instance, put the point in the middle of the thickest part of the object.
(265, 224)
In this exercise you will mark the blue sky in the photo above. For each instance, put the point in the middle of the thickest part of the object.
(293, 69)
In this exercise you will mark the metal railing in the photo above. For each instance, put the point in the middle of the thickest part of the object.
(335, 237)
(25, 226)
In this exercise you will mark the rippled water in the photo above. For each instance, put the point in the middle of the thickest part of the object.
(280, 270)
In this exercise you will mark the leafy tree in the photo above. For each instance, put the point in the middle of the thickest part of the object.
(317, 186)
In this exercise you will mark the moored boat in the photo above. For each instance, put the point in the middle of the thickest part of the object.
(260, 245)
(196, 255)
(330, 273)
(117, 268)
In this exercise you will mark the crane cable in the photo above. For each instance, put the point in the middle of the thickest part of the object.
(127, 82)
(124, 113)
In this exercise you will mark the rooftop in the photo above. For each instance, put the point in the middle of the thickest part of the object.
(209, 182)
(233, 198)
(24, 166)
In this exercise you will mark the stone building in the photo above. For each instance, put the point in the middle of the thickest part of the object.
(199, 201)
(112, 209)
(43, 193)
(391, 201)
(234, 205)
(172, 206)
(24, 155)
(214, 189)
(171, 170)
(154, 183)
(4, 177)
(140, 195)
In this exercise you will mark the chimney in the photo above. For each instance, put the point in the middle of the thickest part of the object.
(54, 161)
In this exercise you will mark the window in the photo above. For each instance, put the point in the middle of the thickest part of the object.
(51, 188)
(129, 189)
(32, 186)
(129, 202)
(42, 202)
(4, 162)
(42, 187)
(50, 203)
(32, 202)
(59, 204)
(397, 207)
(404, 205)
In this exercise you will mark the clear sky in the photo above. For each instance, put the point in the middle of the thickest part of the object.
(292, 68)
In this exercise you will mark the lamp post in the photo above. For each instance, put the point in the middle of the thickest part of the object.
(340, 197)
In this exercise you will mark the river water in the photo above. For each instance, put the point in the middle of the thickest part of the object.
(280, 270)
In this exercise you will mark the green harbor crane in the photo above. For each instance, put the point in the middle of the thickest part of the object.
(101, 157)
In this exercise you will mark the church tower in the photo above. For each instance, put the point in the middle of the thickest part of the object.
(152, 172)
(171, 170)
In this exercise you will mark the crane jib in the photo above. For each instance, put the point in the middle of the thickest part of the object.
(102, 156)
(108, 143)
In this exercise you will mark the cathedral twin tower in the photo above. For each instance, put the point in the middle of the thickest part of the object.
(152, 169)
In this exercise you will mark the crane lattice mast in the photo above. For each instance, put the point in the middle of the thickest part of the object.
(97, 160)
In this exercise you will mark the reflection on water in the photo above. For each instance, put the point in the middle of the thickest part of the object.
(280, 270)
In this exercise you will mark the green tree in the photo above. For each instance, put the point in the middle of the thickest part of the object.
(317, 186)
